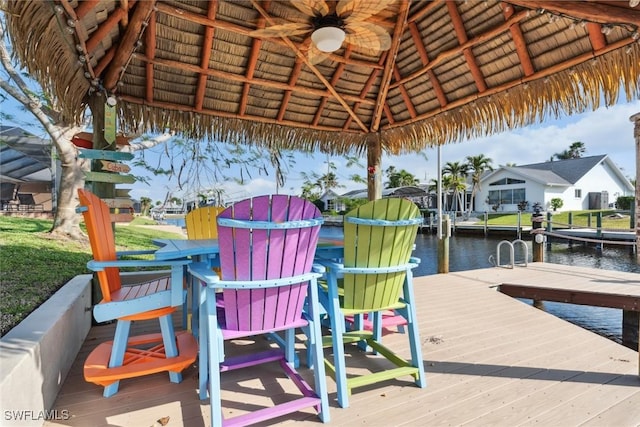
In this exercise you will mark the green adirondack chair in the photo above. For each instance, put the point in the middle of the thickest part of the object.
(374, 277)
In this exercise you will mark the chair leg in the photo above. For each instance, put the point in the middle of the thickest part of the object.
(337, 331)
(414, 335)
(203, 355)
(316, 349)
(117, 353)
(215, 350)
(170, 346)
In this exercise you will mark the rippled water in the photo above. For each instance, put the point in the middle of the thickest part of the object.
(467, 252)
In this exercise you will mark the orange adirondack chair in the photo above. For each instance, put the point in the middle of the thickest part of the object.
(128, 357)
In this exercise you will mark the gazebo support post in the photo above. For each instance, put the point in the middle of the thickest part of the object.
(374, 174)
(636, 133)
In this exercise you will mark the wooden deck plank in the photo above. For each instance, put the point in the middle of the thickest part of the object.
(489, 359)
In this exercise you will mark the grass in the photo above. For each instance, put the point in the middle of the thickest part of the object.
(579, 218)
(34, 265)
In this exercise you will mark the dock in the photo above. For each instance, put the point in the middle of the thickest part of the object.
(490, 359)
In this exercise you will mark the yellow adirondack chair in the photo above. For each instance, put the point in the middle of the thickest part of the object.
(128, 357)
(374, 277)
(201, 222)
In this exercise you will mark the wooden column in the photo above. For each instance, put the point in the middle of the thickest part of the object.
(374, 172)
(104, 190)
(636, 133)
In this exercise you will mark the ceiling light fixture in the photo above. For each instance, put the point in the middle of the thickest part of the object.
(328, 34)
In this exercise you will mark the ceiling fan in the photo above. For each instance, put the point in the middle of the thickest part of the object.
(330, 24)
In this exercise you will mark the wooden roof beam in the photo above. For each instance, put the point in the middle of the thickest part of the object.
(127, 44)
(241, 79)
(405, 95)
(313, 69)
(334, 79)
(226, 114)
(461, 33)
(366, 88)
(235, 28)
(401, 23)
(256, 44)
(508, 85)
(425, 9)
(424, 57)
(518, 41)
(150, 52)
(597, 39)
(103, 30)
(446, 55)
(207, 43)
(603, 13)
(293, 79)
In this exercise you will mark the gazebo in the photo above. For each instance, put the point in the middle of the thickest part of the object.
(339, 77)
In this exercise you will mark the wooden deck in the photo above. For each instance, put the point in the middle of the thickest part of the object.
(490, 360)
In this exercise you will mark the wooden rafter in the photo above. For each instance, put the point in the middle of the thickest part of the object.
(251, 66)
(150, 53)
(315, 71)
(589, 11)
(405, 95)
(293, 79)
(597, 39)
(509, 85)
(334, 79)
(401, 23)
(447, 54)
(518, 41)
(127, 44)
(238, 29)
(366, 88)
(255, 81)
(105, 28)
(461, 34)
(207, 43)
(424, 10)
(424, 58)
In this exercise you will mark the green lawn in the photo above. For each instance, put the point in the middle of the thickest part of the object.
(33, 265)
(579, 218)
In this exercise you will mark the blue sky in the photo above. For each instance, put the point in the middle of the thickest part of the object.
(604, 131)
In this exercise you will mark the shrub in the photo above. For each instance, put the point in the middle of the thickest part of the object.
(556, 203)
(625, 202)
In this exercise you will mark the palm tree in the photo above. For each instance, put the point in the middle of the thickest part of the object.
(575, 151)
(457, 172)
(145, 205)
(477, 165)
(399, 179)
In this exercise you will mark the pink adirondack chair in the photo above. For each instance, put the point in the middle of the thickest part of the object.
(267, 247)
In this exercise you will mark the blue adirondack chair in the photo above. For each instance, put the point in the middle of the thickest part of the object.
(158, 298)
(267, 245)
(373, 278)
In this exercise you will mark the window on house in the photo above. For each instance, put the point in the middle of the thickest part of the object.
(507, 181)
(578, 193)
(511, 196)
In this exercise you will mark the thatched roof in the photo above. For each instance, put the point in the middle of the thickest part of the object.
(454, 69)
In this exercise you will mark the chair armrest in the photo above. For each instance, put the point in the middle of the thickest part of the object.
(120, 254)
(415, 260)
(202, 271)
(318, 268)
(329, 263)
(94, 265)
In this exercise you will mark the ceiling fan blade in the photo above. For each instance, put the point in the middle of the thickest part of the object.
(359, 10)
(315, 55)
(280, 30)
(367, 37)
(311, 7)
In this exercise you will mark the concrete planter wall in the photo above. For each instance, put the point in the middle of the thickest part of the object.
(36, 355)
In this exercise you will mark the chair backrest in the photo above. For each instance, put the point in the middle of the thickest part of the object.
(274, 237)
(201, 222)
(103, 245)
(380, 233)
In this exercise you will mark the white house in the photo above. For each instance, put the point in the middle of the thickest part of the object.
(592, 182)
